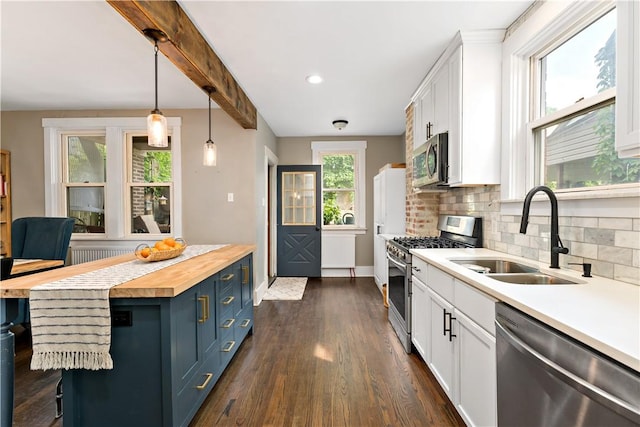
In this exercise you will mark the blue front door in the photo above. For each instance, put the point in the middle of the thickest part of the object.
(299, 216)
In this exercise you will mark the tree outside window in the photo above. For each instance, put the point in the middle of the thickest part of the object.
(339, 188)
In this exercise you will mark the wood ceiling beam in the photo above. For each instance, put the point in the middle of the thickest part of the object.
(191, 53)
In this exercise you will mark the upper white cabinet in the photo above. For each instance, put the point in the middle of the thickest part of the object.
(628, 79)
(431, 106)
(461, 95)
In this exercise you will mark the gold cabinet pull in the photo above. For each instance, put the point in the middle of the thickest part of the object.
(245, 323)
(230, 345)
(206, 381)
(245, 274)
(228, 300)
(204, 308)
(228, 323)
(227, 277)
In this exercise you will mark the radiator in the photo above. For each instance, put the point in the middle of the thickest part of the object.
(80, 255)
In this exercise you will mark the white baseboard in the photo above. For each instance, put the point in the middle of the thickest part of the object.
(362, 271)
(259, 291)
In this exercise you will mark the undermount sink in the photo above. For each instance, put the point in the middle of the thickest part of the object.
(488, 266)
(531, 279)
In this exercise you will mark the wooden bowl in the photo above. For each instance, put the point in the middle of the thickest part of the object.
(160, 255)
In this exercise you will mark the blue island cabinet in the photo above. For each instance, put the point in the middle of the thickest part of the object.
(168, 353)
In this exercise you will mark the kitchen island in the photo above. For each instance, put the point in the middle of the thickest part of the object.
(173, 333)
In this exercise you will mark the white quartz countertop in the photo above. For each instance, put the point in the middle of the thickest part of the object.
(600, 312)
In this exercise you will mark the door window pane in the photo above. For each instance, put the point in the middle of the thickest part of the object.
(298, 198)
(580, 152)
(581, 67)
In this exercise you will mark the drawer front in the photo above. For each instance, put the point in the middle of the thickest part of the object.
(419, 269)
(193, 394)
(244, 323)
(479, 307)
(440, 282)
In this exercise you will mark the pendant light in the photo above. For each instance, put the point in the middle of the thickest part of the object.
(210, 151)
(156, 123)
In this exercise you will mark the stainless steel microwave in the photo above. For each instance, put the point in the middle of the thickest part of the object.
(430, 162)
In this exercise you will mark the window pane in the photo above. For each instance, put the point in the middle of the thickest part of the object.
(580, 152)
(338, 171)
(581, 67)
(86, 205)
(298, 198)
(150, 164)
(86, 156)
(338, 207)
(150, 209)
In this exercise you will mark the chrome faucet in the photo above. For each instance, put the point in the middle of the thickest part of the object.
(556, 244)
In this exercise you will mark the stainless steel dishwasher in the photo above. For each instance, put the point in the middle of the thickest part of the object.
(548, 379)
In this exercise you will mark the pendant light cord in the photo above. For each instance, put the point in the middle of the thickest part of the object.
(156, 79)
(209, 117)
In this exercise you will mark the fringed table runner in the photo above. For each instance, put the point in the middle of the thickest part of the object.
(71, 319)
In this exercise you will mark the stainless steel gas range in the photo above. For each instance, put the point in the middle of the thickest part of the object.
(455, 232)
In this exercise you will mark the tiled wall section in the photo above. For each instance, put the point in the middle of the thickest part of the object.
(611, 245)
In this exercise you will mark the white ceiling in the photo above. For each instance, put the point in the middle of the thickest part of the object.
(82, 55)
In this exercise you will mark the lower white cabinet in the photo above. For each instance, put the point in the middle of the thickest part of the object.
(453, 331)
(380, 263)
(476, 392)
(419, 324)
(441, 357)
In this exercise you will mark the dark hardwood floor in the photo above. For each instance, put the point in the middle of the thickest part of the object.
(331, 359)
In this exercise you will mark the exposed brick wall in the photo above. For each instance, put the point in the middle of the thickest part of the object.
(422, 208)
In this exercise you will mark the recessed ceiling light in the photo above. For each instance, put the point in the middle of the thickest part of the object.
(314, 79)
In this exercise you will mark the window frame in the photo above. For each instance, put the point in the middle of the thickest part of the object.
(546, 25)
(116, 130)
(358, 148)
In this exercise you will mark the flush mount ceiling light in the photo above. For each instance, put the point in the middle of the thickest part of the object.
(156, 123)
(314, 79)
(340, 124)
(210, 151)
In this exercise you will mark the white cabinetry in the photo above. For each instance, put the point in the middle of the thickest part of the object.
(461, 95)
(389, 189)
(627, 80)
(459, 346)
(431, 109)
(419, 304)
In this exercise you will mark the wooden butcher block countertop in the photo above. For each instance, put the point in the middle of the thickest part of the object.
(167, 282)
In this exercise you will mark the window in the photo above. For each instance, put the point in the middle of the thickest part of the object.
(84, 179)
(102, 172)
(343, 182)
(574, 122)
(149, 205)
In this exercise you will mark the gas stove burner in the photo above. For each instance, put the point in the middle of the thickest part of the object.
(427, 243)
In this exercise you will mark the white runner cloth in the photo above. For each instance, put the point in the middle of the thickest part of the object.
(71, 319)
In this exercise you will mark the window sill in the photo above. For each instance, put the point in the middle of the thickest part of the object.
(340, 229)
(610, 202)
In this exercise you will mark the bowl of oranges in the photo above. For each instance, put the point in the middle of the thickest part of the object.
(162, 249)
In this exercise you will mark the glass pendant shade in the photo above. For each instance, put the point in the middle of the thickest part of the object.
(157, 129)
(210, 154)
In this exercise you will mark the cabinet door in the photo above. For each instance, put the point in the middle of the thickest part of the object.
(455, 117)
(246, 282)
(380, 266)
(426, 107)
(441, 348)
(207, 315)
(476, 393)
(441, 100)
(420, 317)
(186, 311)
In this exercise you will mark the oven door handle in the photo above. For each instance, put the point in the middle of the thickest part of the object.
(593, 392)
(403, 268)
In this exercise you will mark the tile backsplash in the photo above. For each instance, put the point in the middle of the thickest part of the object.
(611, 245)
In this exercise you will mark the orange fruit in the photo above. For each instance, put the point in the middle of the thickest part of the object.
(154, 249)
(163, 247)
(158, 244)
(177, 245)
(169, 241)
(145, 252)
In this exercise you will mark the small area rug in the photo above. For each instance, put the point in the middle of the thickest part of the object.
(286, 288)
